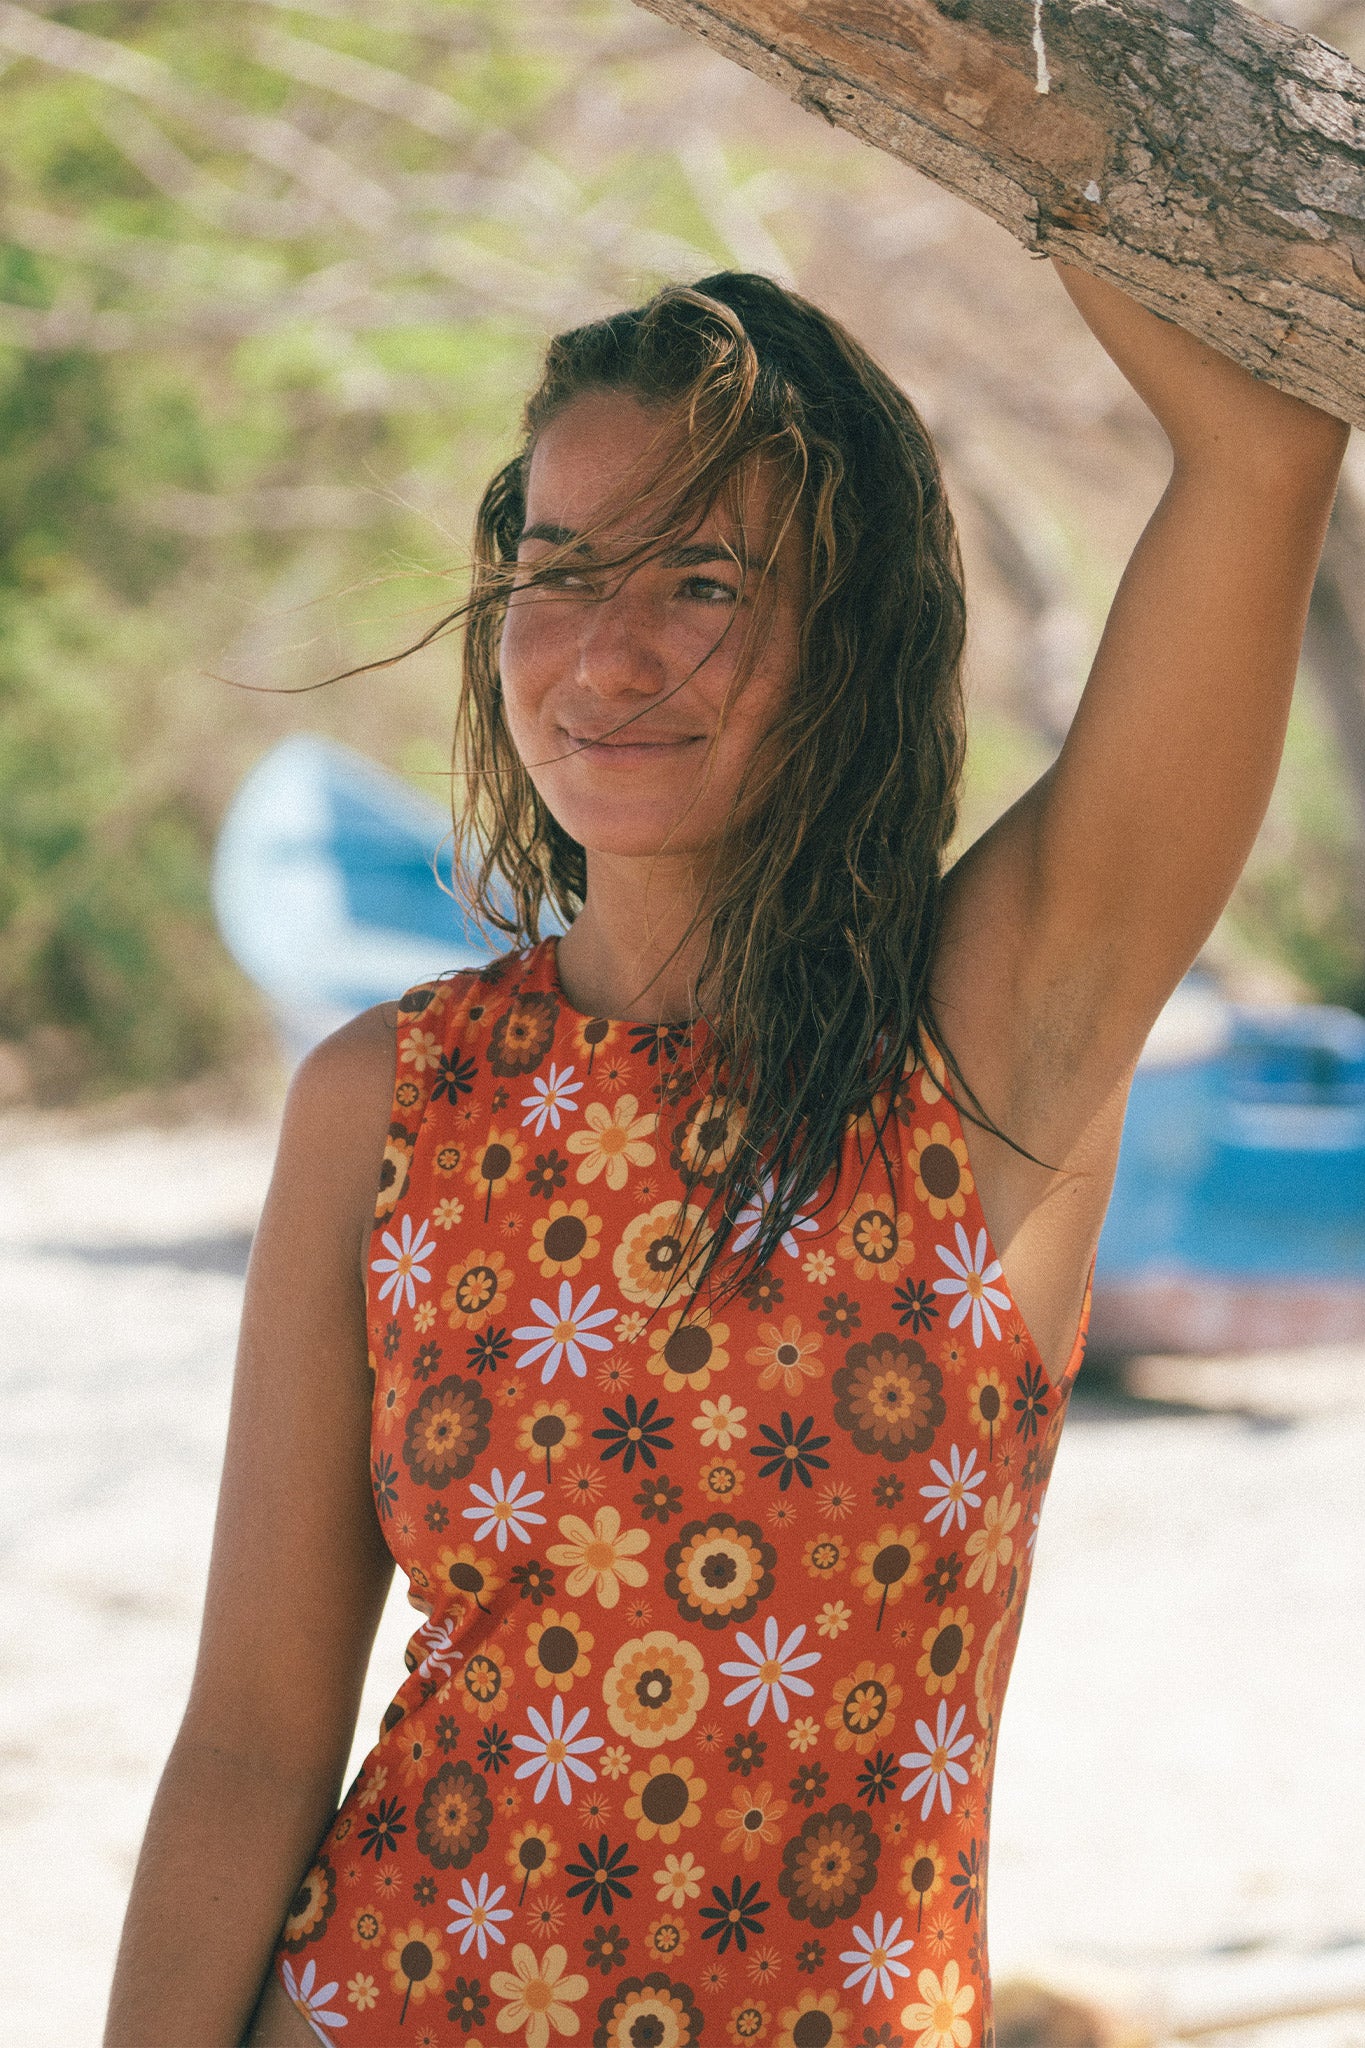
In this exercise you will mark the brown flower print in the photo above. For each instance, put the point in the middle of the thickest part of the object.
(718, 1570)
(557, 1648)
(688, 1351)
(830, 1866)
(947, 1646)
(665, 1798)
(454, 1817)
(863, 1713)
(563, 1240)
(817, 2020)
(706, 1140)
(658, 1249)
(476, 1289)
(523, 1034)
(876, 1237)
(654, 1688)
(495, 1165)
(311, 1907)
(943, 1179)
(393, 1170)
(446, 1431)
(484, 1679)
(649, 2012)
(889, 1397)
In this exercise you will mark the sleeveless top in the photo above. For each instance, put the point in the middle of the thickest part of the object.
(697, 1739)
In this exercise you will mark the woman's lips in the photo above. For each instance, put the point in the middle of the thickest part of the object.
(629, 749)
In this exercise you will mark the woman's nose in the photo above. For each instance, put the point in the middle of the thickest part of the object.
(617, 654)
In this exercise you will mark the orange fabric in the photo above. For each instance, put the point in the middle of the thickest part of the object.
(697, 1739)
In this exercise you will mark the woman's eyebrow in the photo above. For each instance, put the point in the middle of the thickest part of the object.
(689, 556)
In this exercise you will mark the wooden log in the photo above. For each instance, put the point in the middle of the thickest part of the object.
(1209, 161)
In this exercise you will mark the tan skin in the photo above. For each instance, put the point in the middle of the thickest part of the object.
(1067, 926)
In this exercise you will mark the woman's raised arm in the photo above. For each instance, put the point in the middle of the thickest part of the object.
(1070, 922)
(296, 1584)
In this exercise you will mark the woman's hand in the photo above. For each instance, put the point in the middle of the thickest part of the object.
(1213, 412)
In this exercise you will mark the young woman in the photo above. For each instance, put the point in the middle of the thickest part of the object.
(703, 1356)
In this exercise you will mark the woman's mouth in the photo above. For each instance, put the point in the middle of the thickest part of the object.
(625, 748)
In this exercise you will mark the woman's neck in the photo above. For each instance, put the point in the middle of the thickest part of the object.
(614, 960)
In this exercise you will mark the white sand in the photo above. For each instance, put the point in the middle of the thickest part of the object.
(1180, 1780)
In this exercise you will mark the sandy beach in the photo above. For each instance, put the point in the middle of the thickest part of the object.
(1180, 1805)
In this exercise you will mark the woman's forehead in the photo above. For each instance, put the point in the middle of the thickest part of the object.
(610, 464)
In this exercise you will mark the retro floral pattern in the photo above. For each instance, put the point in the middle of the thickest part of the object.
(720, 1600)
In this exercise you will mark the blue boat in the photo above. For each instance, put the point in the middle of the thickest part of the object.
(1238, 1214)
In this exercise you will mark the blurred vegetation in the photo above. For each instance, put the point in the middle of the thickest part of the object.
(272, 280)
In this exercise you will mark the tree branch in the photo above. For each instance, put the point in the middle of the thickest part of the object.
(1209, 161)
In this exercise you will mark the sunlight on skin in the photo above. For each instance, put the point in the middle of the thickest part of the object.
(650, 660)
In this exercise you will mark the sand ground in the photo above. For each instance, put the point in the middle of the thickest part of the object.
(1180, 1809)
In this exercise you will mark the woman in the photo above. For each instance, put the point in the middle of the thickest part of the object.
(703, 1357)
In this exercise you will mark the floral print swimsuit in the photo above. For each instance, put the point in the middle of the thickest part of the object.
(697, 1738)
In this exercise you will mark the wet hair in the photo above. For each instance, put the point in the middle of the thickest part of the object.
(822, 904)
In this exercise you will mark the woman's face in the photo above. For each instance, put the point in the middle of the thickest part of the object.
(620, 690)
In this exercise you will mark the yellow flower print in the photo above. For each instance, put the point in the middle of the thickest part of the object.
(752, 1821)
(824, 1555)
(942, 1177)
(654, 1689)
(557, 1647)
(630, 1327)
(720, 1422)
(986, 1665)
(449, 1212)
(447, 1160)
(602, 1557)
(833, 1618)
(707, 1139)
(665, 1798)
(416, 1963)
(941, 2012)
(658, 1250)
(992, 1546)
(787, 1354)
(667, 1937)
(420, 1050)
(946, 1644)
(361, 1991)
(388, 1401)
(679, 1880)
(476, 1289)
(863, 1712)
(818, 1268)
(803, 1734)
(986, 1403)
(540, 1995)
(616, 1138)
(485, 1679)
(393, 1169)
(592, 1036)
(533, 1855)
(830, 2025)
(551, 1429)
(876, 1237)
(721, 1479)
(495, 1164)
(614, 1762)
(689, 1350)
(563, 1240)
(888, 1568)
(924, 1872)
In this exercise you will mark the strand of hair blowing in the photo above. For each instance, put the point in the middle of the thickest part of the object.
(823, 912)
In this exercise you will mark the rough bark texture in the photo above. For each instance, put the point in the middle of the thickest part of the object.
(1208, 160)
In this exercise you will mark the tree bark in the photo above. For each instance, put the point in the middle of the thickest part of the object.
(1209, 161)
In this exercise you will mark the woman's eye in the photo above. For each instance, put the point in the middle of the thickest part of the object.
(710, 590)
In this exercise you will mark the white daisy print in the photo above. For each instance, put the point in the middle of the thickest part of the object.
(767, 1672)
(476, 1913)
(310, 2002)
(555, 1750)
(502, 1508)
(953, 1495)
(563, 1334)
(936, 1763)
(972, 1279)
(404, 1265)
(876, 1958)
(750, 1222)
(548, 1097)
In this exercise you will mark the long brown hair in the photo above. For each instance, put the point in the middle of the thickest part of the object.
(823, 902)
(823, 913)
